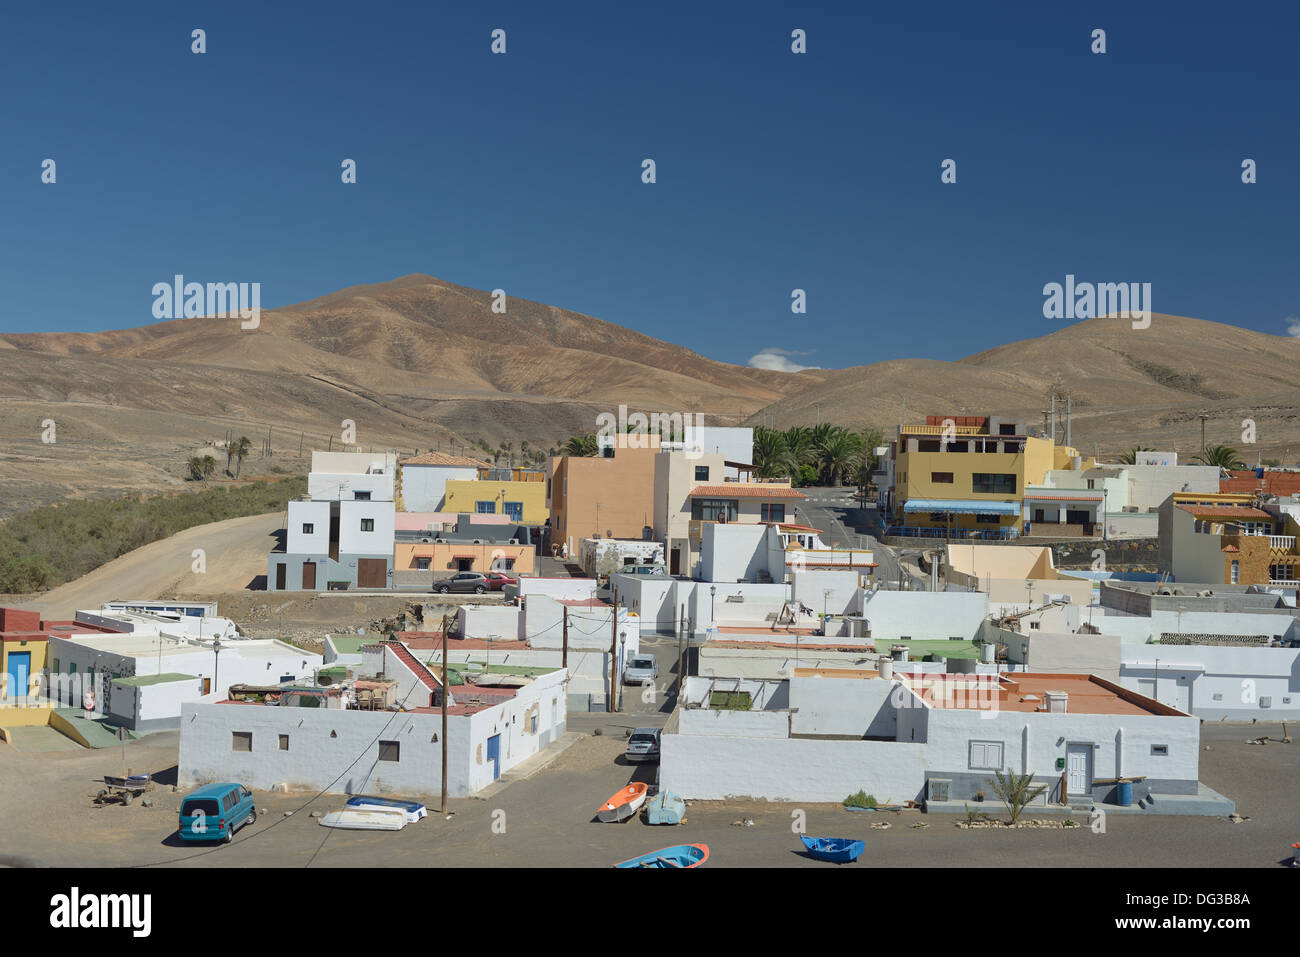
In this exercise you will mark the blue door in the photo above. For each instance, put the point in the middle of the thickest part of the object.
(20, 666)
(494, 755)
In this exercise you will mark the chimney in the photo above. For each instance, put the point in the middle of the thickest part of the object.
(1057, 702)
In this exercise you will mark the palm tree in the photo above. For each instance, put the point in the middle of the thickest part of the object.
(1224, 456)
(769, 453)
(207, 465)
(195, 465)
(798, 448)
(1130, 457)
(840, 455)
(581, 445)
(237, 450)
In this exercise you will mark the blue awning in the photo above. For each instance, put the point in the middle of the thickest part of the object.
(962, 506)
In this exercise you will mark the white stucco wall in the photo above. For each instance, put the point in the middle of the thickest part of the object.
(490, 621)
(895, 614)
(843, 706)
(716, 767)
(424, 487)
(810, 588)
(1191, 676)
(353, 541)
(567, 589)
(315, 514)
(733, 552)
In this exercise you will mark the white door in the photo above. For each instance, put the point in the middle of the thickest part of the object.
(1078, 769)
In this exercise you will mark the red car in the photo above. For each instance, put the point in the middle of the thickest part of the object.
(498, 581)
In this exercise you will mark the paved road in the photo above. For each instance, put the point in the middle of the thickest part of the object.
(234, 553)
(846, 524)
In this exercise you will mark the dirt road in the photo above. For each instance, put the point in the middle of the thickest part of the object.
(233, 553)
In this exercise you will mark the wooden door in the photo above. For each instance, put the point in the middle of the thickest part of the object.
(372, 573)
(308, 575)
(279, 577)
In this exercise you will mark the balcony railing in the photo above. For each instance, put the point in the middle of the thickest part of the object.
(1285, 582)
(1281, 542)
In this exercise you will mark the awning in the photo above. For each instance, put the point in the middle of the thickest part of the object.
(1065, 495)
(962, 506)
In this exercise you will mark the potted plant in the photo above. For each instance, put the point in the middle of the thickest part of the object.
(979, 795)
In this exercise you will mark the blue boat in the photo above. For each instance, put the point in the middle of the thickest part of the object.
(413, 810)
(665, 808)
(837, 850)
(679, 855)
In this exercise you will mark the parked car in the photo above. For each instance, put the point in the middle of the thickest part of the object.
(643, 745)
(214, 812)
(640, 669)
(499, 581)
(476, 582)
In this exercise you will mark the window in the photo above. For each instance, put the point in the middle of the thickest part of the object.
(241, 741)
(984, 518)
(1161, 749)
(941, 478)
(1092, 483)
(1235, 576)
(389, 750)
(927, 445)
(993, 483)
(308, 528)
(607, 452)
(422, 564)
(367, 524)
(284, 742)
(508, 564)
(986, 755)
(939, 517)
(714, 509)
(514, 510)
(361, 496)
(485, 508)
(773, 512)
(701, 473)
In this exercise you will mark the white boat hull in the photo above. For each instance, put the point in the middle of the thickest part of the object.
(365, 820)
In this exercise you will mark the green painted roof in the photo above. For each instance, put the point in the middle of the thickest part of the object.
(351, 644)
(920, 647)
(140, 681)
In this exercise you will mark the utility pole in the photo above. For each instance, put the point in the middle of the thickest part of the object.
(564, 661)
(1203, 416)
(613, 654)
(443, 740)
(681, 634)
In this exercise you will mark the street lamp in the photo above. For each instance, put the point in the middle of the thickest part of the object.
(622, 642)
(1024, 653)
(216, 664)
(713, 592)
(826, 594)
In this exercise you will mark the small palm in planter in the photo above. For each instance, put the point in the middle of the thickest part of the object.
(979, 796)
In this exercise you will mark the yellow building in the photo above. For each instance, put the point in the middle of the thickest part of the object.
(519, 494)
(968, 475)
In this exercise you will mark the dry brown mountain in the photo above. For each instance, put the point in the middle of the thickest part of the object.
(1128, 386)
(419, 362)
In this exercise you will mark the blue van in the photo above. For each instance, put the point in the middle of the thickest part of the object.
(215, 812)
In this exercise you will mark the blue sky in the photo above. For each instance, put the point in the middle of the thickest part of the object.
(775, 171)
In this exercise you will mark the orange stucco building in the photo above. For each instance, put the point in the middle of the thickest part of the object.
(611, 494)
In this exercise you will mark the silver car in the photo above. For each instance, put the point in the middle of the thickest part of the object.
(640, 670)
(643, 745)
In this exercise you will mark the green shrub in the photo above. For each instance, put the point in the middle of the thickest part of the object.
(860, 799)
(58, 543)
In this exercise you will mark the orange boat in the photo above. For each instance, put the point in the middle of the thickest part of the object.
(623, 804)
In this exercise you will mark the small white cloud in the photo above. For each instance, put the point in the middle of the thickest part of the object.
(774, 360)
(1292, 327)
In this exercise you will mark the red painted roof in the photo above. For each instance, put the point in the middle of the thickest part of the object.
(1274, 482)
(1228, 511)
(745, 491)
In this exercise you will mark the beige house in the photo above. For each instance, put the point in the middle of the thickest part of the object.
(691, 491)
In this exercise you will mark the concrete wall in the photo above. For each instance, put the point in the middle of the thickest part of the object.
(567, 589)
(353, 541)
(149, 707)
(1066, 653)
(1122, 747)
(716, 767)
(810, 587)
(313, 514)
(650, 598)
(424, 487)
(490, 621)
(736, 724)
(1217, 682)
(896, 614)
(841, 707)
(335, 751)
(733, 552)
